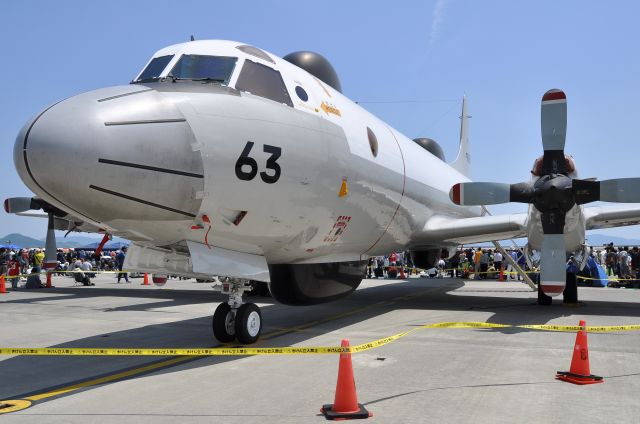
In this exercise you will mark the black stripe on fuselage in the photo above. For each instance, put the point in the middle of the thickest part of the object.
(144, 121)
(150, 168)
(145, 202)
(123, 95)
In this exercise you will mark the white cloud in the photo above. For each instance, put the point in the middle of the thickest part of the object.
(437, 20)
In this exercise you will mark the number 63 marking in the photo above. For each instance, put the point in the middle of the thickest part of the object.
(246, 161)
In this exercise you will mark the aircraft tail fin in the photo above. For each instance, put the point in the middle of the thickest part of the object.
(462, 163)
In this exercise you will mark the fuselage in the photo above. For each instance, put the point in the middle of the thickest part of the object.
(273, 160)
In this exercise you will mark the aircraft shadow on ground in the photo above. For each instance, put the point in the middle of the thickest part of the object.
(26, 375)
(166, 298)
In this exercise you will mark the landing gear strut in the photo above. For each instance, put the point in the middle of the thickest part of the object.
(236, 319)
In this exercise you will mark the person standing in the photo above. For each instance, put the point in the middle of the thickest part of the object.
(4, 260)
(23, 258)
(522, 263)
(476, 263)
(454, 263)
(14, 271)
(38, 258)
(120, 263)
(497, 261)
(610, 261)
(484, 265)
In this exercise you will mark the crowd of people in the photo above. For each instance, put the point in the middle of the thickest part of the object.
(475, 263)
(621, 263)
(478, 263)
(80, 264)
(387, 266)
(481, 264)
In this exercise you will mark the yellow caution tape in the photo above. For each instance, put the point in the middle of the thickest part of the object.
(608, 278)
(463, 324)
(220, 351)
(313, 350)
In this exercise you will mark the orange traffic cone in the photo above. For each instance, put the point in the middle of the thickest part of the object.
(345, 406)
(48, 286)
(501, 274)
(402, 274)
(580, 372)
(3, 288)
(146, 280)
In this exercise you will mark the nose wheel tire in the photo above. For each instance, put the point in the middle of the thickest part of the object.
(248, 324)
(223, 323)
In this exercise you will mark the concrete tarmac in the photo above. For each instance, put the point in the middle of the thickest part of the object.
(432, 375)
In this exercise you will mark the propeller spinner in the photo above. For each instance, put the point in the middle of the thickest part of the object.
(553, 194)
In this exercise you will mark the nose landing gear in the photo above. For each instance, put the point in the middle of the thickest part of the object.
(236, 319)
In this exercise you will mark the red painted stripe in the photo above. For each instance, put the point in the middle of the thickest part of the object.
(455, 194)
(547, 288)
(554, 95)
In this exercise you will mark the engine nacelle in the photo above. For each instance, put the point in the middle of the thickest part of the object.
(310, 284)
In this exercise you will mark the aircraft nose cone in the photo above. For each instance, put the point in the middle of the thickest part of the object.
(119, 153)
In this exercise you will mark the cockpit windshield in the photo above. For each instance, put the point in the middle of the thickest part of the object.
(154, 68)
(204, 68)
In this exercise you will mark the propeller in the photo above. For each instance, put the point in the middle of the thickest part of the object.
(23, 204)
(553, 193)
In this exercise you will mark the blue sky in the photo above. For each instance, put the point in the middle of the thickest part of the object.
(408, 62)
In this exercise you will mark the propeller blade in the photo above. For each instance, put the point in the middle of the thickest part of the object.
(20, 204)
(483, 193)
(50, 258)
(554, 129)
(620, 190)
(553, 264)
(477, 193)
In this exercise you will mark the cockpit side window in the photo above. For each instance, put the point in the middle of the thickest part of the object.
(204, 68)
(263, 81)
(154, 68)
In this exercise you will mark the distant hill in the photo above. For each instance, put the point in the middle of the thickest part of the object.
(20, 240)
(79, 241)
(602, 239)
(71, 241)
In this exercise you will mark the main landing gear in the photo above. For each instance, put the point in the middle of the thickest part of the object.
(235, 319)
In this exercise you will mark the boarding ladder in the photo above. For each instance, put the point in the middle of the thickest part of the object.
(508, 257)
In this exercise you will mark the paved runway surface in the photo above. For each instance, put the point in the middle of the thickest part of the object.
(433, 375)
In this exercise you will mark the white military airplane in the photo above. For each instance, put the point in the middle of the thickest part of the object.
(223, 159)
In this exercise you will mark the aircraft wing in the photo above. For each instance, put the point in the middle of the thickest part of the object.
(612, 216)
(478, 229)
